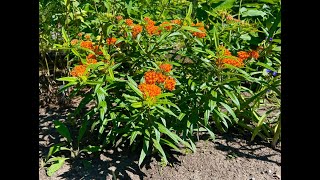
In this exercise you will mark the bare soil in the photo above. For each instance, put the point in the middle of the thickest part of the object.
(230, 156)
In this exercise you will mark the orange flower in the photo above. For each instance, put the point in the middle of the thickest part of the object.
(150, 77)
(119, 18)
(136, 29)
(170, 84)
(149, 21)
(91, 61)
(111, 40)
(237, 62)
(129, 22)
(91, 56)
(80, 34)
(86, 44)
(166, 25)
(78, 70)
(254, 54)
(161, 78)
(87, 36)
(74, 42)
(200, 34)
(176, 21)
(151, 30)
(243, 55)
(166, 67)
(149, 90)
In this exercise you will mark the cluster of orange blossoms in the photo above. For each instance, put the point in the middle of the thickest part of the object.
(74, 42)
(201, 28)
(151, 28)
(150, 89)
(136, 29)
(78, 70)
(239, 60)
(166, 25)
(111, 40)
(165, 67)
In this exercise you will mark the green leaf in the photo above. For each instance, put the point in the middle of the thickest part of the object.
(62, 129)
(82, 129)
(230, 111)
(133, 136)
(56, 166)
(144, 150)
(266, 66)
(166, 110)
(245, 37)
(253, 12)
(259, 125)
(75, 52)
(137, 104)
(134, 87)
(165, 95)
(233, 98)
(69, 79)
(157, 145)
(90, 149)
(213, 137)
(206, 117)
(157, 133)
(64, 35)
(189, 28)
(55, 148)
(111, 74)
(170, 144)
(181, 115)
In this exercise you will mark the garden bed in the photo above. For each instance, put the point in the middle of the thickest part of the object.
(230, 156)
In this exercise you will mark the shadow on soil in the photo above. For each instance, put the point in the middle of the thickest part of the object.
(247, 150)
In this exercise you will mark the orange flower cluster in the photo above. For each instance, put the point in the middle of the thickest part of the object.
(129, 22)
(149, 21)
(136, 29)
(254, 54)
(151, 28)
(170, 84)
(74, 42)
(161, 78)
(111, 40)
(151, 77)
(176, 21)
(166, 25)
(91, 61)
(201, 28)
(149, 90)
(166, 67)
(232, 60)
(87, 44)
(87, 36)
(119, 18)
(243, 55)
(80, 34)
(91, 56)
(78, 70)
(237, 62)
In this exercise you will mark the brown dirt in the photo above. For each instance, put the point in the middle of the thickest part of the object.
(230, 156)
